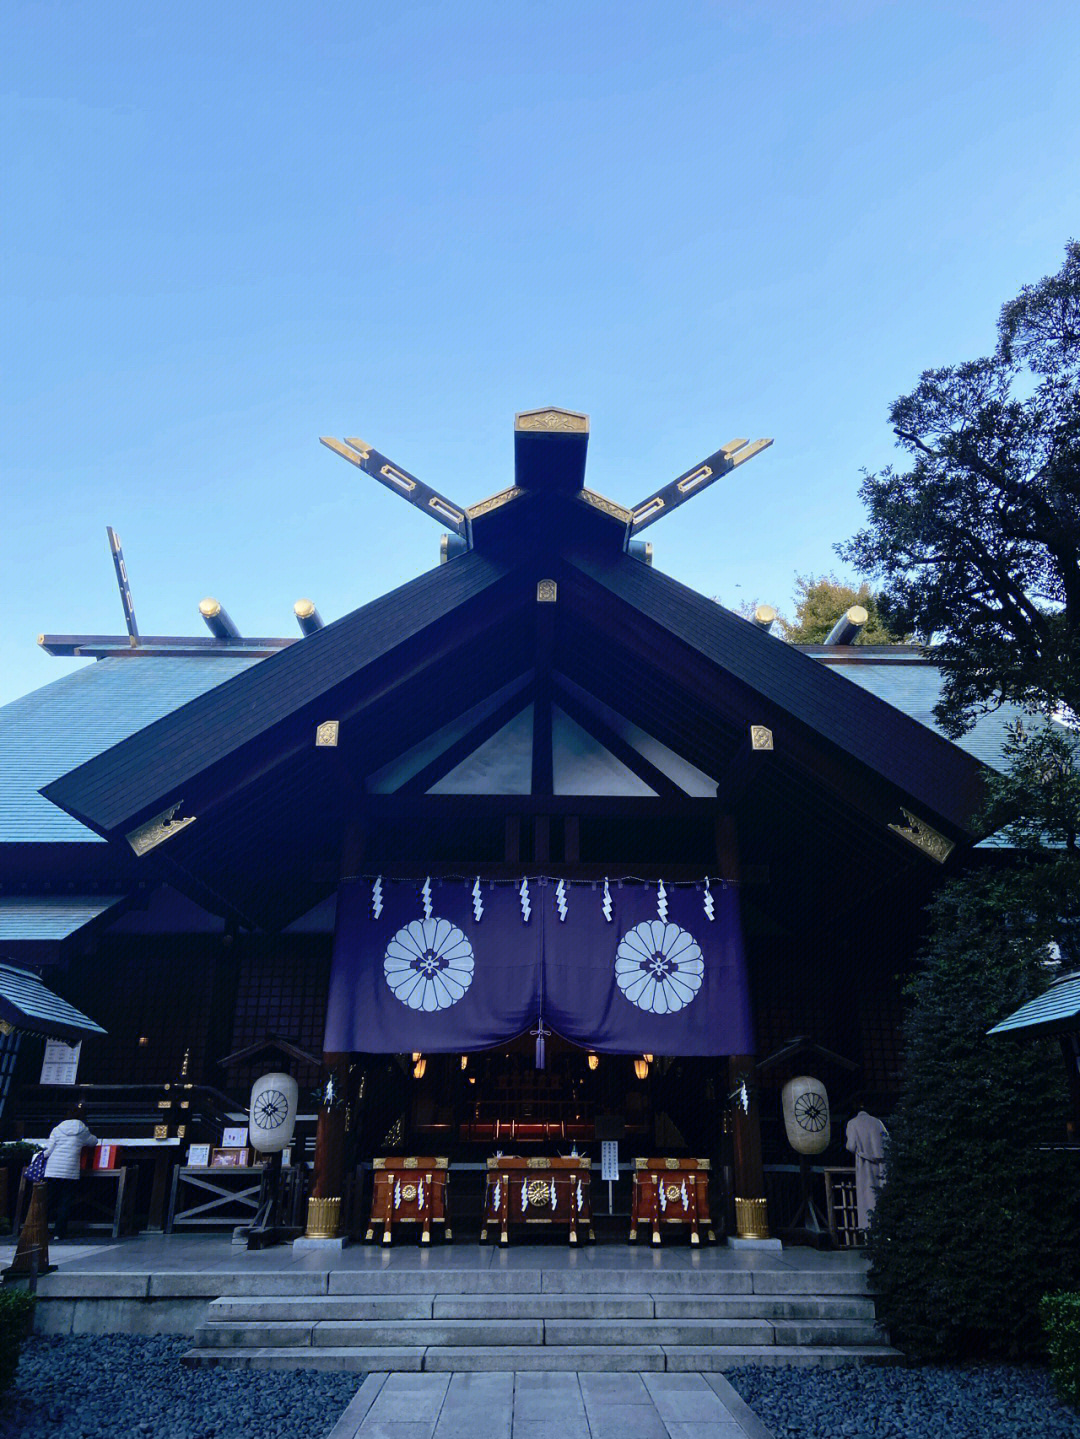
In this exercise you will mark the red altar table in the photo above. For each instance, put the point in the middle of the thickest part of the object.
(538, 1191)
(671, 1191)
(410, 1191)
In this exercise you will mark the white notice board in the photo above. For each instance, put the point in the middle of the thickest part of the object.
(609, 1159)
(61, 1062)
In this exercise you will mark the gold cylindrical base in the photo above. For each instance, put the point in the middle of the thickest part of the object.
(323, 1218)
(751, 1219)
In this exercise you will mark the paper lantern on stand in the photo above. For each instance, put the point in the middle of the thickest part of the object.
(274, 1102)
(806, 1115)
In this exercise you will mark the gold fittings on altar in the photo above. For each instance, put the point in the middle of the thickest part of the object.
(751, 1219)
(323, 1218)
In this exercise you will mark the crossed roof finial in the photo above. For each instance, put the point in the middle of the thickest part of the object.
(550, 446)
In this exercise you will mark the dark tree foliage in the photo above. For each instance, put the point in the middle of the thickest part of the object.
(977, 1220)
(978, 543)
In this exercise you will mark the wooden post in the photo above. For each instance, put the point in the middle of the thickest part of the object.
(328, 1178)
(751, 1213)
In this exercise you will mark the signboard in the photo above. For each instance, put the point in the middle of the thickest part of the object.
(609, 1159)
(61, 1062)
(234, 1137)
(198, 1155)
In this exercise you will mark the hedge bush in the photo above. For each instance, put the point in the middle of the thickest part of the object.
(980, 1215)
(16, 1316)
(1060, 1314)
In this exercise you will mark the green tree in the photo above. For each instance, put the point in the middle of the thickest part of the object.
(978, 1218)
(978, 542)
(820, 603)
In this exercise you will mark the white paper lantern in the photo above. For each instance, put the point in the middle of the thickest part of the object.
(806, 1115)
(274, 1100)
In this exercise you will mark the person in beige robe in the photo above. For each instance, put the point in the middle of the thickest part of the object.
(866, 1140)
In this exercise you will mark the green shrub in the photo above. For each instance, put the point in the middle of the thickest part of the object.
(1060, 1314)
(16, 1316)
(15, 1155)
(980, 1215)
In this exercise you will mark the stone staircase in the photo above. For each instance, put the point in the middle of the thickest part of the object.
(580, 1319)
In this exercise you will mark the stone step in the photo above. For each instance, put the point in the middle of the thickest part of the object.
(560, 1333)
(501, 1358)
(366, 1334)
(329, 1306)
(537, 1306)
(744, 1332)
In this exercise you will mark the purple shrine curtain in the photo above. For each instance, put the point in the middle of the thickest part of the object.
(447, 983)
(452, 967)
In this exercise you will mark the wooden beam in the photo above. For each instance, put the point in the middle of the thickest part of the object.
(452, 756)
(542, 758)
(439, 807)
(623, 751)
(745, 765)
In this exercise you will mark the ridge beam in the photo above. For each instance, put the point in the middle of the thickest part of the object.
(401, 482)
(729, 457)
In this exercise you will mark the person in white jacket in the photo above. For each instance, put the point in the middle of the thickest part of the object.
(63, 1152)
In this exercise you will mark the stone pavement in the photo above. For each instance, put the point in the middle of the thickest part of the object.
(562, 1405)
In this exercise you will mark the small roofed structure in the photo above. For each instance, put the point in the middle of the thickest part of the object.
(1053, 1014)
(31, 1007)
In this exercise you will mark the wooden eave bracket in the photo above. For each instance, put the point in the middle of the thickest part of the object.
(924, 837)
(148, 836)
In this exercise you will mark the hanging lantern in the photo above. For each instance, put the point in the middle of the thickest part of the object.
(641, 1067)
(594, 1061)
(417, 1056)
(272, 1113)
(647, 1058)
(464, 1061)
(419, 1069)
(806, 1115)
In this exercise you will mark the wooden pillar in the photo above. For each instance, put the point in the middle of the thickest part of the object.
(751, 1213)
(328, 1177)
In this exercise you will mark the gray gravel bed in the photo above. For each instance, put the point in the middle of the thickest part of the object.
(991, 1401)
(123, 1387)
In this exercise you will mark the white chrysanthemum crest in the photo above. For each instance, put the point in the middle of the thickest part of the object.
(376, 897)
(425, 894)
(477, 902)
(560, 898)
(661, 901)
(429, 965)
(607, 901)
(526, 907)
(659, 967)
(710, 902)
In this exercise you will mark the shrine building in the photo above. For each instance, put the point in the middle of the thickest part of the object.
(540, 849)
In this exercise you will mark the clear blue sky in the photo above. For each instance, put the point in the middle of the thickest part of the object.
(231, 228)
